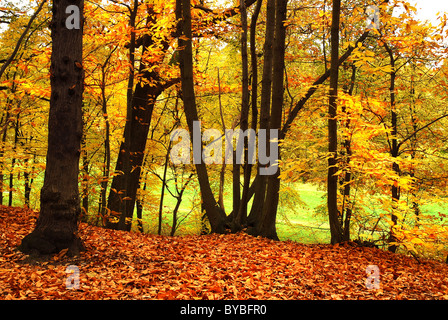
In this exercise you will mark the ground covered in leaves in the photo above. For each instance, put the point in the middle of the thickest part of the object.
(123, 265)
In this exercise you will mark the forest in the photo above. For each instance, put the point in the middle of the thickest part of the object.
(199, 149)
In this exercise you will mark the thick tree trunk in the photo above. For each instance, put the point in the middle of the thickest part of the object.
(332, 179)
(269, 214)
(116, 205)
(56, 227)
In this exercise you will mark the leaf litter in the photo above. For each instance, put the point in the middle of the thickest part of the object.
(129, 265)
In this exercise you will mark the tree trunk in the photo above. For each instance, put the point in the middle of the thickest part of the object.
(347, 206)
(269, 214)
(178, 202)
(247, 194)
(119, 207)
(414, 144)
(13, 161)
(162, 192)
(125, 185)
(241, 216)
(2, 152)
(139, 205)
(85, 178)
(394, 148)
(4, 137)
(122, 195)
(26, 144)
(27, 182)
(214, 213)
(57, 225)
(266, 85)
(332, 179)
(106, 160)
(223, 165)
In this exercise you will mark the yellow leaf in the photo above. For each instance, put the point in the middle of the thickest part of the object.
(417, 241)
(338, 172)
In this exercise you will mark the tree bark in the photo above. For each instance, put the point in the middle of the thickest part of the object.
(266, 85)
(57, 225)
(394, 148)
(214, 213)
(130, 158)
(332, 179)
(162, 193)
(2, 152)
(223, 165)
(347, 206)
(269, 214)
(13, 161)
(240, 207)
(85, 176)
(106, 160)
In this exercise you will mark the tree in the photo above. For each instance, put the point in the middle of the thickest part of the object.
(267, 226)
(266, 84)
(141, 103)
(332, 179)
(8, 61)
(214, 213)
(57, 225)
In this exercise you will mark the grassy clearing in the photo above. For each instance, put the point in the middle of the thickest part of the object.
(301, 214)
(298, 219)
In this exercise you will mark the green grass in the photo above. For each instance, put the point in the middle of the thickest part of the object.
(297, 218)
(301, 212)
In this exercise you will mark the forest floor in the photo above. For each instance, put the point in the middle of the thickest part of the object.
(124, 265)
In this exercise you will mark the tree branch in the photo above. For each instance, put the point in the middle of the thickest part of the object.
(300, 104)
(420, 129)
(16, 49)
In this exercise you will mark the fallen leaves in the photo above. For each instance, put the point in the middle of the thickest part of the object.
(124, 265)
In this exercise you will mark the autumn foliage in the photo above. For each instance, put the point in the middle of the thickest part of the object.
(124, 265)
(363, 108)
